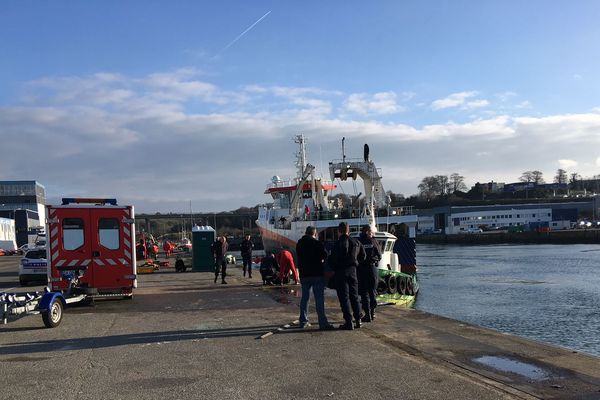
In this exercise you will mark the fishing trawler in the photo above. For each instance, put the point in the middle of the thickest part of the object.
(307, 200)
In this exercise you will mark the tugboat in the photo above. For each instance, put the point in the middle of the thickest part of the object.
(305, 201)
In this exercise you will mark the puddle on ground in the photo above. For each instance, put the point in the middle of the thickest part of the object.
(530, 371)
(284, 294)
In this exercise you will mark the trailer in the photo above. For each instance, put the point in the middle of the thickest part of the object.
(50, 305)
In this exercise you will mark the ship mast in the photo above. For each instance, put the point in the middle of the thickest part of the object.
(301, 155)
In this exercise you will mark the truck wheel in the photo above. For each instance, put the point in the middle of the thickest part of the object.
(53, 315)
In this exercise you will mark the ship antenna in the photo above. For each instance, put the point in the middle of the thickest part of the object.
(301, 155)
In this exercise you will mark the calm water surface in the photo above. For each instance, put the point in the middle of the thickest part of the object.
(549, 293)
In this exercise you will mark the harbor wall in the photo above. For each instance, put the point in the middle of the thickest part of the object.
(588, 236)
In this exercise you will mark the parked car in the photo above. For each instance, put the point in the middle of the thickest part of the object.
(34, 267)
(474, 230)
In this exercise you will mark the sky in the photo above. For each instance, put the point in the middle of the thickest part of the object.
(160, 104)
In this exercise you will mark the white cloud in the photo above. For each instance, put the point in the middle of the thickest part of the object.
(378, 103)
(596, 110)
(476, 104)
(562, 128)
(108, 134)
(454, 100)
(523, 105)
(598, 162)
(566, 164)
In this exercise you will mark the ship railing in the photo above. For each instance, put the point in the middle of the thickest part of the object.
(292, 183)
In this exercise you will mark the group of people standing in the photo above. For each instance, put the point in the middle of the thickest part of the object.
(354, 266)
(219, 250)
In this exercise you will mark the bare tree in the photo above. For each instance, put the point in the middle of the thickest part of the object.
(561, 176)
(457, 183)
(526, 176)
(538, 177)
(575, 180)
(429, 187)
(442, 183)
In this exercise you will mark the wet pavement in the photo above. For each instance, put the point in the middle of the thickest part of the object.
(182, 336)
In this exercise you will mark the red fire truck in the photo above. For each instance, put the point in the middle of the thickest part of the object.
(95, 239)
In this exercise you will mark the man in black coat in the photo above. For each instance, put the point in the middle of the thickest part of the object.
(345, 256)
(311, 257)
(368, 274)
(246, 249)
(219, 249)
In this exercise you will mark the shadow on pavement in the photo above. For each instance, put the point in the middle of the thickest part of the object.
(147, 338)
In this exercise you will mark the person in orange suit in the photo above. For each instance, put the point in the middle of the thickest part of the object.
(286, 264)
(168, 248)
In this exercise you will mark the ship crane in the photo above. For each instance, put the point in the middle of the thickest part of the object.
(306, 175)
(365, 169)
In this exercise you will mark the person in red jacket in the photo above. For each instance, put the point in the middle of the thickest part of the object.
(286, 264)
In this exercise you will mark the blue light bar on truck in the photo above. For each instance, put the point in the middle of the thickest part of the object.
(86, 200)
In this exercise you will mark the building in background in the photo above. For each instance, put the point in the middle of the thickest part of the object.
(7, 234)
(24, 202)
(466, 219)
(23, 195)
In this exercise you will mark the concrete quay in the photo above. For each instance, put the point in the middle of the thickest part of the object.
(182, 336)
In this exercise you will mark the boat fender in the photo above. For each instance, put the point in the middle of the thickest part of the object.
(402, 285)
(382, 286)
(392, 284)
(410, 287)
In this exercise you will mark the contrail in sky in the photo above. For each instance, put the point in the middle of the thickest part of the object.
(242, 34)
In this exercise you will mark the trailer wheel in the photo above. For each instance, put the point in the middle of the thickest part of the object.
(53, 315)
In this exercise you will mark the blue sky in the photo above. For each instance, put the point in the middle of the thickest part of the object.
(156, 103)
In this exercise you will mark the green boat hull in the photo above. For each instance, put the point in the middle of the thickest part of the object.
(397, 288)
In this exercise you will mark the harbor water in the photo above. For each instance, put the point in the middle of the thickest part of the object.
(549, 293)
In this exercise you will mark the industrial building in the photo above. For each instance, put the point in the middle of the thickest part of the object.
(24, 202)
(468, 219)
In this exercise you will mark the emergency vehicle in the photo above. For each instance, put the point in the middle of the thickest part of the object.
(94, 239)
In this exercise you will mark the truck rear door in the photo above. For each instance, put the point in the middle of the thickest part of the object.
(112, 241)
(70, 244)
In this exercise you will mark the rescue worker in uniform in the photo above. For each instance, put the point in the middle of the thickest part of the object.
(345, 256)
(286, 264)
(246, 248)
(219, 250)
(368, 274)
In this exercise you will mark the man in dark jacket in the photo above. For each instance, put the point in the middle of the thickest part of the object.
(268, 268)
(219, 249)
(311, 257)
(246, 248)
(368, 275)
(346, 254)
